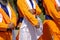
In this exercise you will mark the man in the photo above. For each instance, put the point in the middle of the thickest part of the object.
(29, 9)
(7, 20)
(52, 22)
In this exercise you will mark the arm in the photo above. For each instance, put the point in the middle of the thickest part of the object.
(3, 25)
(50, 7)
(23, 8)
(5, 19)
(38, 10)
(14, 16)
(5, 16)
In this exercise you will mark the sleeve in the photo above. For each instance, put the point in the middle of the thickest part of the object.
(38, 10)
(50, 7)
(6, 18)
(14, 16)
(2, 20)
(3, 25)
(23, 8)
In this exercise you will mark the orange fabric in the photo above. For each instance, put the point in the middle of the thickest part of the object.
(5, 36)
(53, 30)
(14, 16)
(5, 16)
(38, 10)
(51, 27)
(25, 11)
(51, 9)
(6, 19)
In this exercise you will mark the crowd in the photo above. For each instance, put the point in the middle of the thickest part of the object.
(25, 17)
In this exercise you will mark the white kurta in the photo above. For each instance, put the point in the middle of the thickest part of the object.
(28, 31)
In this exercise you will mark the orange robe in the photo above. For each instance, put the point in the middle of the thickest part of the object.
(4, 34)
(51, 29)
(23, 9)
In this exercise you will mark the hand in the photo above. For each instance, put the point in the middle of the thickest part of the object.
(33, 11)
(38, 25)
(19, 25)
(11, 25)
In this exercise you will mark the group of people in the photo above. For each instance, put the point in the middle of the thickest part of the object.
(28, 21)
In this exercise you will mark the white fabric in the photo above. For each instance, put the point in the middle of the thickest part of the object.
(13, 35)
(39, 31)
(1, 18)
(34, 5)
(29, 32)
(29, 4)
(8, 8)
(58, 2)
(9, 11)
(0, 6)
(13, 31)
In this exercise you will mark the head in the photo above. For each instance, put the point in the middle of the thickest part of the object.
(4, 2)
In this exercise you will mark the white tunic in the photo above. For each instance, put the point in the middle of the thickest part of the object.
(27, 30)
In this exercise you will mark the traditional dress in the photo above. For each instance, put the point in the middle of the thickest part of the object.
(27, 29)
(7, 15)
(51, 29)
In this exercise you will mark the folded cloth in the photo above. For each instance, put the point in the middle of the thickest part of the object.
(29, 32)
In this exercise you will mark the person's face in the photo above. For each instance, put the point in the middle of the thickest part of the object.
(4, 2)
